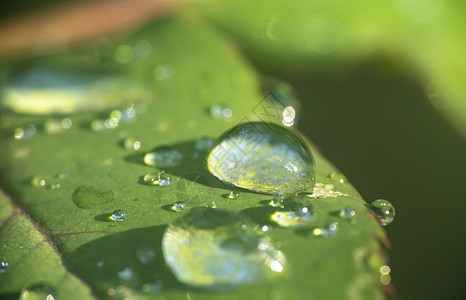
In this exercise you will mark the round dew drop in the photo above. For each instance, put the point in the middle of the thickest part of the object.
(118, 216)
(384, 210)
(217, 249)
(263, 157)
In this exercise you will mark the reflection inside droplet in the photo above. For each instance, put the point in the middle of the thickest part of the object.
(217, 249)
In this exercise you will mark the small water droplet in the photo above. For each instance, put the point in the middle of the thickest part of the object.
(54, 126)
(88, 197)
(145, 255)
(384, 210)
(3, 265)
(142, 48)
(111, 123)
(126, 274)
(132, 144)
(55, 186)
(163, 72)
(295, 211)
(100, 264)
(38, 181)
(263, 157)
(38, 292)
(217, 249)
(163, 157)
(152, 287)
(124, 54)
(98, 125)
(203, 144)
(289, 115)
(385, 277)
(335, 176)
(277, 202)
(62, 176)
(18, 133)
(265, 228)
(162, 179)
(221, 111)
(212, 205)
(324, 231)
(66, 123)
(118, 216)
(179, 206)
(25, 132)
(233, 195)
(21, 247)
(347, 213)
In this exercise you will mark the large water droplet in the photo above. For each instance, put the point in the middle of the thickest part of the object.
(217, 249)
(163, 157)
(295, 211)
(263, 157)
(54, 84)
(88, 197)
(3, 265)
(384, 210)
(152, 287)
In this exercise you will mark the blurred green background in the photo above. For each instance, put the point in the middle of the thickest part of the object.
(382, 94)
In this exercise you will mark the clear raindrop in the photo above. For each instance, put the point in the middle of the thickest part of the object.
(338, 177)
(179, 206)
(163, 157)
(3, 265)
(145, 255)
(38, 181)
(347, 213)
(384, 210)
(37, 292)
(221, 111)
(233, 195)
(126, 274)
(117, 216)
(324, 231)
(263, 157)
(294, 211)
(217, 249)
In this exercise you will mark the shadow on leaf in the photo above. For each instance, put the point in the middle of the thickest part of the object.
(104, 260)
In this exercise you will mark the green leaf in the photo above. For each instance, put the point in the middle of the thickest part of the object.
(32, 257)
(190, 67)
